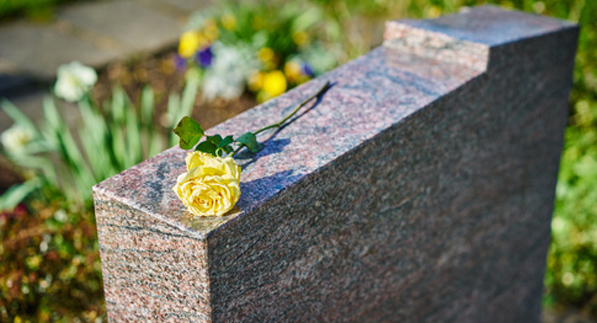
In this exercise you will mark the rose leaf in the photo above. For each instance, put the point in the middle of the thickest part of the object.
(207, 147)
(225, 142)
(250, 140)
(215, 139)
(189, 131)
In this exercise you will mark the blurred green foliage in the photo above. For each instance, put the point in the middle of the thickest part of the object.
(50, 268)
(112, 139)
(34, 9)
(571, 276)
(49, 255)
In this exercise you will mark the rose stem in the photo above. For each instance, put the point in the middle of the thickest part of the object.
(278, 124)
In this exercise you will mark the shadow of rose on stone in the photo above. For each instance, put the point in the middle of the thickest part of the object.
(246, 157)
(254, 191)
(271, 146)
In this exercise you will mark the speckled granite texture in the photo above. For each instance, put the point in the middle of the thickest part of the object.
(419, 189)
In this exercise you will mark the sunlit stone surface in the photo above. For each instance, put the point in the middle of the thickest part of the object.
(419, 189)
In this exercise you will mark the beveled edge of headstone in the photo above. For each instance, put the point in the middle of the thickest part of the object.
(147, 186)
(469, 34)
(491, 25)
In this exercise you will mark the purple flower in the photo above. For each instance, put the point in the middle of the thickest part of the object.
(307, 70)
(179, 62)
(204, 57)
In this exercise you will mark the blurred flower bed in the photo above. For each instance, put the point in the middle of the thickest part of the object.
(228, 59)
(256, 47)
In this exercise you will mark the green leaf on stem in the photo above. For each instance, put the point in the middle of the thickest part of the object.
(224, 145)
(215, 139)
(215, 145)
(207, 147)
(250, 140)
(225, 142)
(189, 131)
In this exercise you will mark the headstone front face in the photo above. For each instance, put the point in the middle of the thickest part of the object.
(420, 189)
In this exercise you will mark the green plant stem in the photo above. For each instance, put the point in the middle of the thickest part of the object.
(278, 124)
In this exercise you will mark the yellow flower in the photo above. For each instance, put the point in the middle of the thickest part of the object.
(210, 23)
(211, 185)
(434, 11)
(266, 54)
(190, 41)
(256, 81)
(292, 71)
(274, 83)
(300, 38)
(210, 29)
(229, 22)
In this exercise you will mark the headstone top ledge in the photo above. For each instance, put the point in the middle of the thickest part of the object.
(369, 95)
(490, 25)
(466, 37)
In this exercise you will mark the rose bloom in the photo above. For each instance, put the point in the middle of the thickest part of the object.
(211, 185)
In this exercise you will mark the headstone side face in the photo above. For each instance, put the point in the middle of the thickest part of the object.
(152, 272)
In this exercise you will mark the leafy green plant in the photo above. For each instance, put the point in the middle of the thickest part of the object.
(50, 268)
(111, 140)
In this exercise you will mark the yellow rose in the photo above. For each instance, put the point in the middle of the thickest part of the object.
(211, 185)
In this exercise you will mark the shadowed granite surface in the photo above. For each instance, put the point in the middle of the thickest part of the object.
(419, 189)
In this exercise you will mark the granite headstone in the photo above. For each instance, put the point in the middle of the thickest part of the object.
(420, 188)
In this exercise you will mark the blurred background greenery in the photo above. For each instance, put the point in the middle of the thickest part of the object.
(32, 9)
(49, 261)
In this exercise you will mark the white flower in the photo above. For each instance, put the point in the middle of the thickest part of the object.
(74, 80)
(16, 138)
(228, 75)
(217, 85)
